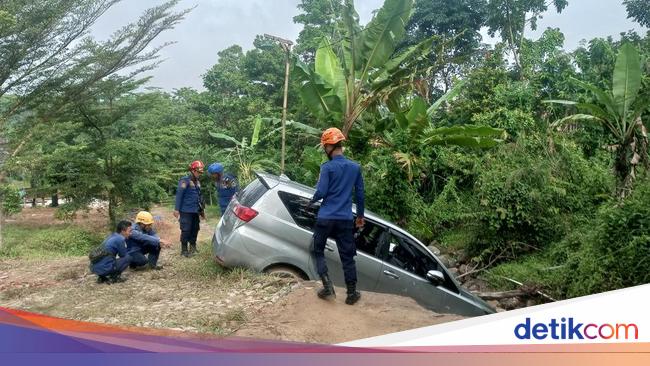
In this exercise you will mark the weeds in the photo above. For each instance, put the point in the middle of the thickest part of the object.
(56, 241)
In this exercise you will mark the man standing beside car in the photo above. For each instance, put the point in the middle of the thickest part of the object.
(225, 183)
(337, 178)
(189, 206)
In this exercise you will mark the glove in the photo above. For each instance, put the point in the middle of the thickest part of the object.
(360, 222)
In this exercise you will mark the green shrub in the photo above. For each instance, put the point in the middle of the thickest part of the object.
(450, 208)
(532, 191)
(537, 270)
(613, 251)
(388, 191)
(513, 121)
(58, 241)
(10, 199)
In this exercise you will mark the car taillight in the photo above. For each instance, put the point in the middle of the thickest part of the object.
(244, 213)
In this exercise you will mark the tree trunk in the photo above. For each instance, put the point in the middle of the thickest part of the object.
(505, 294)
(629, 155)
(55, 200)
(112, 205)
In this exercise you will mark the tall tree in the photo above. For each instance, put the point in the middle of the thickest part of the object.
(44, 47)
(319, 18)
(243, 84)
(49, 61)
(509, 18)
(458, 20)
(639, 10)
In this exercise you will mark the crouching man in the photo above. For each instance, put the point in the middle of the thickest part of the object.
(144, 244)
(103, 260)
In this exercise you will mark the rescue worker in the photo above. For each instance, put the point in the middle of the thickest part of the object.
(109, 268)
(189, 206)
(225, 183)
(337, 178)
(144, 244)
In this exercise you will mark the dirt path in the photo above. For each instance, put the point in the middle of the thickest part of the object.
(196, 295)
(302, 316)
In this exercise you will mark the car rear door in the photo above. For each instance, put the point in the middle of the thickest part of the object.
(368, 267)
(304, 215)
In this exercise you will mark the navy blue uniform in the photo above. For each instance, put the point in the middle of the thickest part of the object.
(189, 204)
(337, 179)
(143, 246)
(226, 187)
(110, 266)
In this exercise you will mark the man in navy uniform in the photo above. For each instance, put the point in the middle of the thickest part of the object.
(225, 183)
(109, 268)
(188, 208)
(337, 178)
(144, 244)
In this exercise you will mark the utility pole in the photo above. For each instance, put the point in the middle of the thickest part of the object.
(286, 46)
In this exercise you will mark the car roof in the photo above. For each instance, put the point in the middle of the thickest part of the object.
(272, 181)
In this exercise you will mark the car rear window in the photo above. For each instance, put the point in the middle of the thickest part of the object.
(298, 206)
(253, 192)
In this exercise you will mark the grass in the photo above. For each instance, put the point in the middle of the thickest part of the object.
(202, 267)
(47, 242)
(535, 270)
(457, 238)
(235, 315)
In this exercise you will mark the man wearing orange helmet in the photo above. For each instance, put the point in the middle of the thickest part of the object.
(189, 206)
(337, 178)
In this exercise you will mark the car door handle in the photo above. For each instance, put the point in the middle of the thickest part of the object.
(328, 247)
(391, 274)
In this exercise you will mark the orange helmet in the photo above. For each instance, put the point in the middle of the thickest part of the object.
(331, 136)
(197, 165)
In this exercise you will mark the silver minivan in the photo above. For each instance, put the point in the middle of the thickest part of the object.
(268, 227)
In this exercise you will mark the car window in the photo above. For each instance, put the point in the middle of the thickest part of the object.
(405, 254)
(253, 192)
(302, 213)
(368, 238)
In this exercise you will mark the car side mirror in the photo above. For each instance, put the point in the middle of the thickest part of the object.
(435, 277)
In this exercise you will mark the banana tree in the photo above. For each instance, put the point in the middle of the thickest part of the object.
(245, 153)
(418, 122)
(619, 111)
(360, 70)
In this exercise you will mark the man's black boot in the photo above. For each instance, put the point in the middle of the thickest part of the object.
(328, 289)
(117, 279)
(353, 294)
(184, 251)
(193, 249)
(102, 279)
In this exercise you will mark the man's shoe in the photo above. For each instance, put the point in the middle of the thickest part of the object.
(353, 294)
(139, 268)
(117, 279)
(193, 249)
(156, 267)
(185, 254)
(328, 289)
(102, 279)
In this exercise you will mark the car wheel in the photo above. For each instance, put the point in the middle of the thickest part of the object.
(285, 272)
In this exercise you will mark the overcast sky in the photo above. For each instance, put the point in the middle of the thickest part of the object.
(217, 24)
